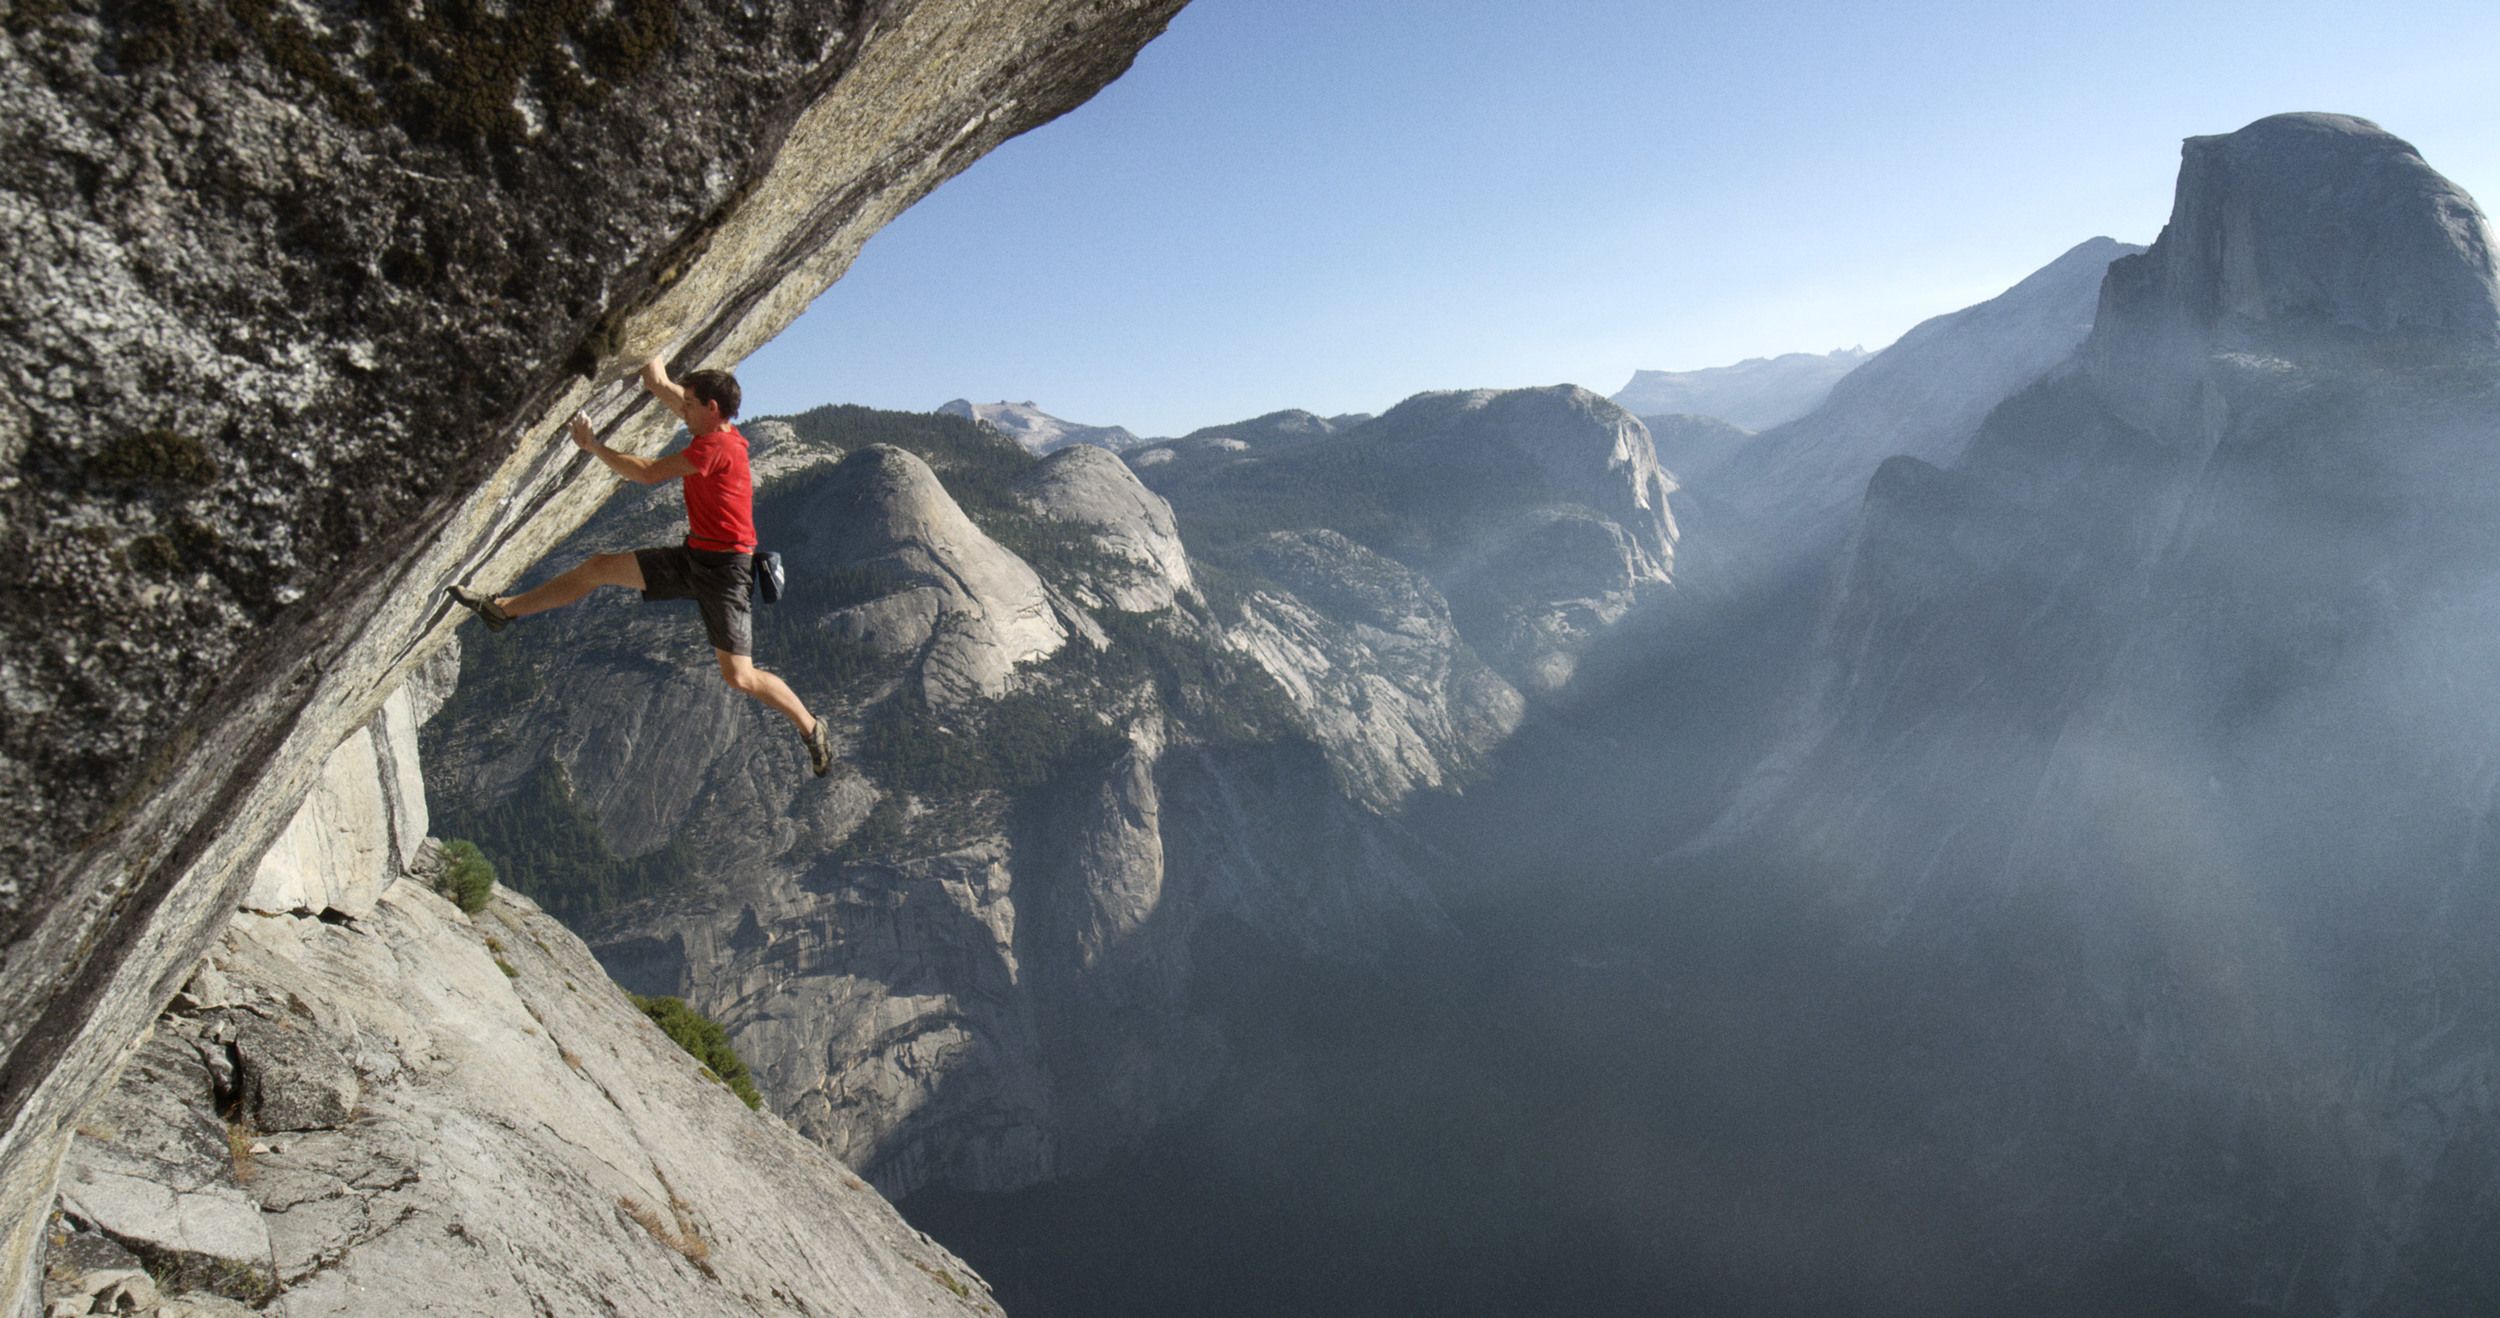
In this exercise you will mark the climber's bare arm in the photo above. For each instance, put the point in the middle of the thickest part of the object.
(641, 471)
(655, 378)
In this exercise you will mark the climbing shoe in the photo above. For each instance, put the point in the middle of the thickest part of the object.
(484, 606)
(820, 749)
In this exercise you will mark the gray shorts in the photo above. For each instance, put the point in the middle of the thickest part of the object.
(719, 584)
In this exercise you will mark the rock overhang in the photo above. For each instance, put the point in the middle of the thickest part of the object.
(305, 306)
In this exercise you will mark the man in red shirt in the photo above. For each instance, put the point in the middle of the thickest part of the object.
(714, 567)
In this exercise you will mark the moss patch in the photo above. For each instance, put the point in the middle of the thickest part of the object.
(157, 457)
(152, 553)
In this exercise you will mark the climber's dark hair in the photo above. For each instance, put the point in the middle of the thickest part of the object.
(714, 387)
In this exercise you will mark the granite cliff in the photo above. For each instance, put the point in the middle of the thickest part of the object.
(303, 294)
(1540, 514)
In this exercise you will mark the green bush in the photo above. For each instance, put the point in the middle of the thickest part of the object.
(553, 850)
(468, 877)
(704, 1039)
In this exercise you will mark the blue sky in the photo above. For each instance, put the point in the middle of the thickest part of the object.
(1334, 204)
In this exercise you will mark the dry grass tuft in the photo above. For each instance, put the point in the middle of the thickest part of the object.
(680, 1235)
(944, 1278)
(240, 1140)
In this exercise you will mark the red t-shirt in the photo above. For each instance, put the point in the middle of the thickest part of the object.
(720, 494)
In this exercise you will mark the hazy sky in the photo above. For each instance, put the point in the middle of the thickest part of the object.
(1334, 204)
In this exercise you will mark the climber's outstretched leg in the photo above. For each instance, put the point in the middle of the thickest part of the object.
(588, 575)
(596, 571)
(740, 671)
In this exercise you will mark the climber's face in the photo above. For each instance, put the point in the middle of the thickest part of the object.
(701, 415)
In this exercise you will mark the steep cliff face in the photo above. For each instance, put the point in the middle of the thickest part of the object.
(303, 294)
(1365, 647)
(2301, 236)
(2160, 715)
(965, 611)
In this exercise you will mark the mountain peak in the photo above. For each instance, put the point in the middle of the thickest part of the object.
(2303, 228)
(1038, 431)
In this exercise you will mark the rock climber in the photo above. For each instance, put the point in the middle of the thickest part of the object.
(714, 567)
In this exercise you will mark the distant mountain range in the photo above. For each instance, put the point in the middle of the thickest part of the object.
(1757, 393)
(1035, 430)
(1924, 396)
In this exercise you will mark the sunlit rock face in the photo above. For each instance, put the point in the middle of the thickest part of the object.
(1364, 645)
(2156, 734)
(966, 609)
(2298, 236)
(301, 297)
(1540, 515)
(1562, 555)
(1085, 486)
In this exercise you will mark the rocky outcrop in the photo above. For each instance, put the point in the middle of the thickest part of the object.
(1540, 514)
(955, 968)
(1364, 646)
(1561, 556)
(2300, 234)
(305, 294)
(427, 1112)
(1088, 487)
(775, 455)
(349, 841)
(966, 610)
(2150, 739)
(1754, 394)
(393, 1105)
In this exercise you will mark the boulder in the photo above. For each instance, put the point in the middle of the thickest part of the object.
(293, 1079)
